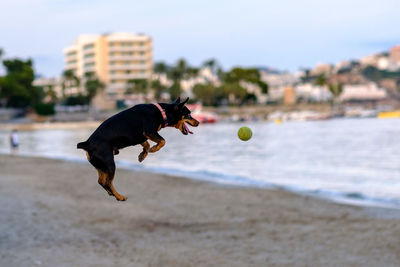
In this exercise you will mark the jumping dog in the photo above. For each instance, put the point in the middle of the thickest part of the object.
(131, 127)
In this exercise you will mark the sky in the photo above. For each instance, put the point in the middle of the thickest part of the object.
(286, 35)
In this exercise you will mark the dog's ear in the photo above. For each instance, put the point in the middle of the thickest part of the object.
(183, 103)
(177, 101)
(179, 106)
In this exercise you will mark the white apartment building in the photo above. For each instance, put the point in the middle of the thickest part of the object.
(115, 59)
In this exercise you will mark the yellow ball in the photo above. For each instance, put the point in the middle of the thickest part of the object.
(244, 133)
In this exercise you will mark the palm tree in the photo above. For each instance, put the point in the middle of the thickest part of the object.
(307, 76)
(182, 65)
(175, 74)
(179, 72)
(335, 89)
(138, 86)
(92, 85)
(321, 80)
(211, 63)
(160, 67)
(52, 93)
(158, 88)
(175, 90)
(220, 74)
(192, 72)
(69, 79)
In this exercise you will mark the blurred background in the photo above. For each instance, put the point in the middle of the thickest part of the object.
(317, 81)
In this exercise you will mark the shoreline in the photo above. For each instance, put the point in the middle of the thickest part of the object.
(68, 125)
(351, 199)
(55, 213)
(49, 125)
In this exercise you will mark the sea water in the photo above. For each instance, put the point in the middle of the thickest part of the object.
(351, 160)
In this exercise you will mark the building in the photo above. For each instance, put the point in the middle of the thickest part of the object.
(204, 76)
(395, 54)
(115, 59)
(289, 96)
(370, 60)
(312, 93)
(344, 64)
(322, 69)
(384, 61)
(362, 92)
(276, 80)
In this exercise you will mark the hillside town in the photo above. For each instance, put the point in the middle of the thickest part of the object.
(103, 73)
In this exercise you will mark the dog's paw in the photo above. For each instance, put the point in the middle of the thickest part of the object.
(121, 198)
(142, 156)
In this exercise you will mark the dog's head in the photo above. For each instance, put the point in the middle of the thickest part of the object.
(179, 115)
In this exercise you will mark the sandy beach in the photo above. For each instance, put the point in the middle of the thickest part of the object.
(53, 213)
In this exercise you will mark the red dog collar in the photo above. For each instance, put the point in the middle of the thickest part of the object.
(162, 114)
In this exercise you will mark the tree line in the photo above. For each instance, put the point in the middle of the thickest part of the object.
(230, 87)
(17, 89)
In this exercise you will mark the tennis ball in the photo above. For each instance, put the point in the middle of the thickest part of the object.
(244, 133)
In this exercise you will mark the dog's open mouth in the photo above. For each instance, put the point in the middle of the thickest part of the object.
(185, 129)
(184, 125)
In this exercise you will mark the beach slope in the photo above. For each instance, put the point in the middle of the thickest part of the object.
(53, 213)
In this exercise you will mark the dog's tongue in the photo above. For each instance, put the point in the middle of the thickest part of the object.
(187, 128)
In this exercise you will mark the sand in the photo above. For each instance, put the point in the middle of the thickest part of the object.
(53, 213)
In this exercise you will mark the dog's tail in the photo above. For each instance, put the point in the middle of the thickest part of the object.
(83, 145)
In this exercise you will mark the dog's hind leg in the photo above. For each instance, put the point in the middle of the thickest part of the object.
(102, 175)
(146, 147)
(109, 177)
(101, 168)
(103, 181)
(106, 181)
(103, 161)
(117, 195)
(155, 137)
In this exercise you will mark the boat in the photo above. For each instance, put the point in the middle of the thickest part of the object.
(389, 114)
(360, 113)
(202, 116)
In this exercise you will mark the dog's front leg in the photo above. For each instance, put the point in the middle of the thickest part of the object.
(146, 148)
(155, 137)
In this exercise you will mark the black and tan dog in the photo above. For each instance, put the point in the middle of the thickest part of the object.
(131, 127)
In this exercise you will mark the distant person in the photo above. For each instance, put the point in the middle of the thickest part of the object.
(14, 140)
